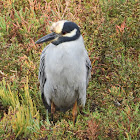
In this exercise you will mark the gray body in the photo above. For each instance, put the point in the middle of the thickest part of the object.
(66, 68)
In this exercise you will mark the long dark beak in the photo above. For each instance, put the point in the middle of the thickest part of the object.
(46, 38)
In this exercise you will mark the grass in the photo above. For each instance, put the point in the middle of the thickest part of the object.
(111, 34)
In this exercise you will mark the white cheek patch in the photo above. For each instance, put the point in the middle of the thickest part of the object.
(71, 34)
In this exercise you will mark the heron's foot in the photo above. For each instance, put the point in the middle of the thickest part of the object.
(74, 112)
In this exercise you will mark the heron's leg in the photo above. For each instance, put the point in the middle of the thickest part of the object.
(52, 110)
(74, 112)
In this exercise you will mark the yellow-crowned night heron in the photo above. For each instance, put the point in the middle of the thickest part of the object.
(65, 68)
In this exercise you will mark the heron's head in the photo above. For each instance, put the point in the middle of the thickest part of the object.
(62, 31)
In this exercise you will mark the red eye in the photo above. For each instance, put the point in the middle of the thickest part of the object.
(63, 33)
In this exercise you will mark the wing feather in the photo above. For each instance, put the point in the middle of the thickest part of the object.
(89, 67)
(42, 76)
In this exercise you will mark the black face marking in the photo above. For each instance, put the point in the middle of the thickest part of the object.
(67, 28)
